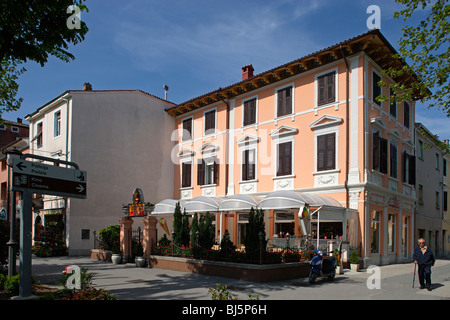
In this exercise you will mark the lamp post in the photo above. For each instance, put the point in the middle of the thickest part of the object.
(12, 243)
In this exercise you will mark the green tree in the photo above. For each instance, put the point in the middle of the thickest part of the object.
(185, 230)
(206, 231)
(194, 230)
(34, 30)
(177, 224)
(425, 46)
(254, 226)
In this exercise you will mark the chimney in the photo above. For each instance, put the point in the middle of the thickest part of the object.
(87, 86)
(19, 120)
(247, 72)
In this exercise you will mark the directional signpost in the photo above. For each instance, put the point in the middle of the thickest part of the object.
(37, 177)
(48, 179)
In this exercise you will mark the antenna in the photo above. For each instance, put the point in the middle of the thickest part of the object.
(166, 88)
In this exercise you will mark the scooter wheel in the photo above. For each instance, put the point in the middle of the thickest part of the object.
(312, 277)
(332, 275)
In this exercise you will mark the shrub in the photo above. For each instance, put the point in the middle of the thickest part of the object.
(110, 238)
(354, 257)
(11, 284)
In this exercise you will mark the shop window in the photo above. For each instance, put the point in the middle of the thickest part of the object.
(391, 233)
(284, 224)
(375, 232)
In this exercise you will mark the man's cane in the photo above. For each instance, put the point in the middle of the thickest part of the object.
(414, 275)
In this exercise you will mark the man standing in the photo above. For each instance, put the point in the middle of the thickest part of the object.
(423, 257)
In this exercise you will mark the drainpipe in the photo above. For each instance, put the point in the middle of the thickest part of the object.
(66, 200)
(347, 124)
(227, 154)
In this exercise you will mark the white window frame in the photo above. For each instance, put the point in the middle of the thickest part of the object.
(215, 122)
(292, 84)
(316, 88)
(242, 112)
(57, 124)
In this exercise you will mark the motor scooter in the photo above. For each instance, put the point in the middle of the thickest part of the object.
(322, 266)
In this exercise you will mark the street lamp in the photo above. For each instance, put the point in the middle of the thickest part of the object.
(12, 243)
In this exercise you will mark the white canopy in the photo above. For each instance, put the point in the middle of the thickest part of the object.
(167, 206)
(203, 204)
(289, 199)
(239, 202)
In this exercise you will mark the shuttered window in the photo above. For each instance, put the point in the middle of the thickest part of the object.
(284, 159)
(409, 168)
(393, 160)
(406, 114)
(376, 151)
(207, 173)
(249, 112)
(187, 129)
(376, 89)
(210, 122)
(326, 88)
(186, 169)
(284, 98)
(248, 165)
(326, 152)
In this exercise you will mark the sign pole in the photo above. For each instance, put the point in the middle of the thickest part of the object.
(25, 244)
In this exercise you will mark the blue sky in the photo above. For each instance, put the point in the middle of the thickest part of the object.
(196, 46)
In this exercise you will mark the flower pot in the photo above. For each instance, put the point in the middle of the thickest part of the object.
(338, 269)
(354, 267)
(140, 262)
(116, 258)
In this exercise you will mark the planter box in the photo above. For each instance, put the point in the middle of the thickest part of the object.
(354, 266)
(99, 254)
(241, 271)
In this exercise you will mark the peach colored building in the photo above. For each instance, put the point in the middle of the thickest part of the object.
(307, 133)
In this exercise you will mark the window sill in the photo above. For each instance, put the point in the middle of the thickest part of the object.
(208, 185)
(283, 177)
(248, 181)
(186, 188)
(327, 171)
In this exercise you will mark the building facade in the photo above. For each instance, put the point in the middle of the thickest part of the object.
(119, 138)
(431, 191)
(308, 133)
(445, 202)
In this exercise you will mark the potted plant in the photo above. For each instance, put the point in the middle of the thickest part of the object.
(139, 260)
(116, 256)
(338, 262)
(354, 261)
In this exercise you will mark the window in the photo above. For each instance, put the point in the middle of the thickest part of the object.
(4, 191)
(393, 160)
(39, 135)
(248, 165)
(326, 88)
(391, 233)
(437, 161)
(14, 129)
(380, 152)
(420, 194)
(187, 129)
(375, 232)
(326, 152)
(284, 101)
(444, 167)
(4, 165)
(437, 200)
(186, 170)
(406, 114)
(284, 159)
(207, 172)
(249, 112)
(409, 168)
(57, 124)
(284, 224)
(393, 104)
(421, 149)
(445, 202)
(376, 89)
(210, 122)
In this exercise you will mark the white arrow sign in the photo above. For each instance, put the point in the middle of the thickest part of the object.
(49, 171)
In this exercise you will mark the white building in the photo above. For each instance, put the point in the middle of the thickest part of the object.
(121, 138)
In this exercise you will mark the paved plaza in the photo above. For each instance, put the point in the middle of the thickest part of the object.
(128, 282)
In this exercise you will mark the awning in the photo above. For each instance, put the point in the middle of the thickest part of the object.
(290, 200)
(239, 202)
(203, 204)
(167, 206)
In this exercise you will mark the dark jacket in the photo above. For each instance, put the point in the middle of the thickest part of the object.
(426, 258)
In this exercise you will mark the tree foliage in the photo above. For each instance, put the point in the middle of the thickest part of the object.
(34, 30)
(425, 47)
(254, 226)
